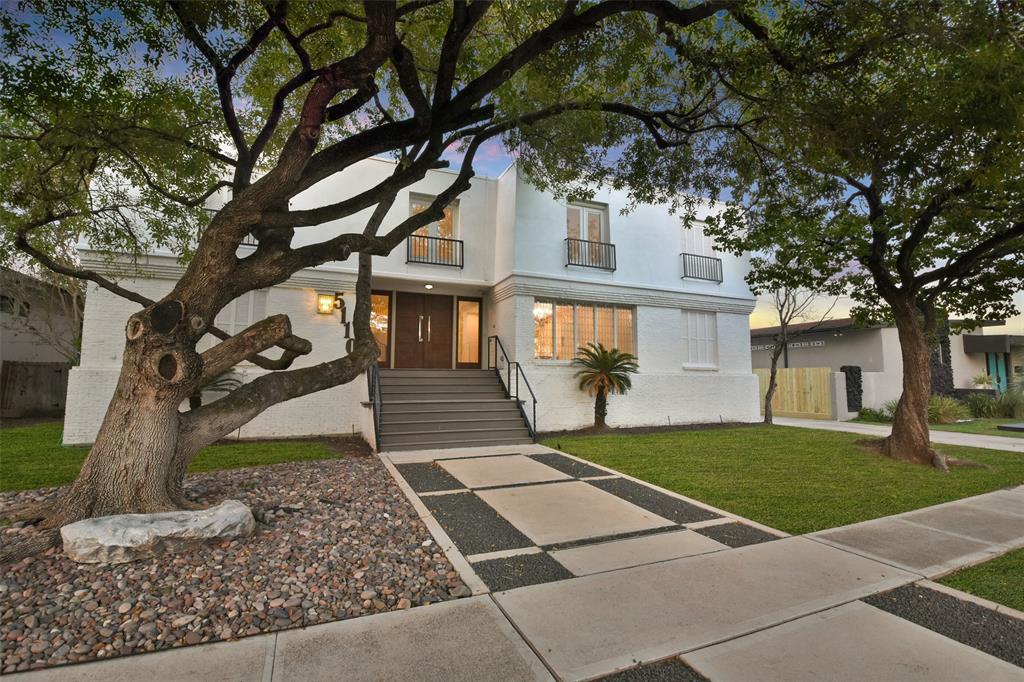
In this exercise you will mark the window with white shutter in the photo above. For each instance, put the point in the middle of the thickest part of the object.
(700, 339)
(245, 310)
(698, 243)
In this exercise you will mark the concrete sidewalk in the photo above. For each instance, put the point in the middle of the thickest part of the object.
(973, 440)
(788, 608)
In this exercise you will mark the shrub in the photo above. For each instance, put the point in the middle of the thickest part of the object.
(889, 409)
(983, 379)
(981, 406)
(870, 414)
(1010, 403)
(945, 410)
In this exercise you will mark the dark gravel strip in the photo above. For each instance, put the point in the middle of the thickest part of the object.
(568, 465)
(608, 538)
(661, 504)
(736, 534)
(473, 525)
(997, 634)
(520, 570)
(428, 477)
(671, 670)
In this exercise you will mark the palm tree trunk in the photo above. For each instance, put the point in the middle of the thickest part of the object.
(600, 408)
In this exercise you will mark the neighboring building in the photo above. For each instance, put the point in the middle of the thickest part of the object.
(507, 261)
(876, 350)
(40, 325)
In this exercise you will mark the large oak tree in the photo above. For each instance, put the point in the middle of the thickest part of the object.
(121, 119)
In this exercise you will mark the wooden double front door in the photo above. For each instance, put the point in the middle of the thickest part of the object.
(423, 331)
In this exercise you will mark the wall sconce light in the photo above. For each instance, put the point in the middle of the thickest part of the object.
(327, 303)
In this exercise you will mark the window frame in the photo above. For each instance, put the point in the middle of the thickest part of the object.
(687, 363)
(584, 208)
(227, 318)
(480, 332)
(391, 316)
(593, 305)
(696, 234)
(417, 197)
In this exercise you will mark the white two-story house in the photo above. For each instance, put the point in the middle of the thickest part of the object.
(512, 279)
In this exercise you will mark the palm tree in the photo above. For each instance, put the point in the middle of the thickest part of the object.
(603, 371)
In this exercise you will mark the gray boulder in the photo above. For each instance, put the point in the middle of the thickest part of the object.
(127, 537)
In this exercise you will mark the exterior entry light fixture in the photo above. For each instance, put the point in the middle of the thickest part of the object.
(327, 303)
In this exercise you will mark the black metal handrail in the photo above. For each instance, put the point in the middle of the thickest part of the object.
(373, 388)
(249, 240)
(434, 251)
(702, 267)
(588, 254)
(512, 370)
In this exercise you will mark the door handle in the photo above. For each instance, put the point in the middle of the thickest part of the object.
(428, 328)
(419, 329)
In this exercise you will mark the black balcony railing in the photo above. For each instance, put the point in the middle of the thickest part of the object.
(434, 251)
(249, 240)
(702, 267)
(588, 254)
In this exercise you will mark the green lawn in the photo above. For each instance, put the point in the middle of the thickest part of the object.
(797, 480)
(998, 580)
(985, 427)
(32, 456)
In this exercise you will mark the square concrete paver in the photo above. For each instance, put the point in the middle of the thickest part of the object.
(484, 472)
(562, 512)
(927, 551)
(984, 525)
(241, 661)
(647, 549)
(851, 642)
(468, 639)
(610, 621)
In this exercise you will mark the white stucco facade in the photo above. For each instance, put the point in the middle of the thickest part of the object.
(514, 254)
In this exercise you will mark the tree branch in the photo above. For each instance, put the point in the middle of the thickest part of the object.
(997, 245)
(248, 343)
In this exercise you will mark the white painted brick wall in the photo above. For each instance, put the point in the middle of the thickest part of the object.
(663, 392)
(92, 384)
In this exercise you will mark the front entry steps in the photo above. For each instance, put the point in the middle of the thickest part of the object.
(437, 408)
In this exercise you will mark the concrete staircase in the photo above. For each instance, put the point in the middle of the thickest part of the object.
(438, 408)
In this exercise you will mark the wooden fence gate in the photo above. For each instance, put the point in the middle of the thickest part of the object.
(33, 389)
(804, 392)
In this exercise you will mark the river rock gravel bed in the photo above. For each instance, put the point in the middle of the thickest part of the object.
(335, 539)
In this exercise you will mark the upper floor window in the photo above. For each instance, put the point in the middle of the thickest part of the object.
(700, 339)
(698, 243)
(445, 228)
(560, 328)
(586, 221)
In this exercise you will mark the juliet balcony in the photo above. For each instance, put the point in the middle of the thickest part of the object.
(707, 268)
(588, 254)
(434, 251)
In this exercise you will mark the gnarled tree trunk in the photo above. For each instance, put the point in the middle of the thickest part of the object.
(128, 468)
(909, 439)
